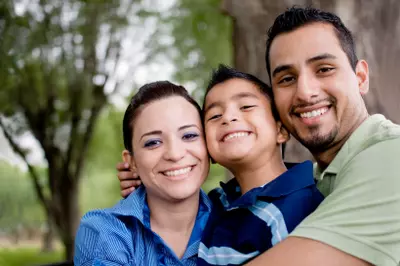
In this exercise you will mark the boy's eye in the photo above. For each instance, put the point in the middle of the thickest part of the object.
(214, 117)
(247, 107)
(190, 136)
(152, 143)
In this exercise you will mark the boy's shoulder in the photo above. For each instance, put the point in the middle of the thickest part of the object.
(297, 177)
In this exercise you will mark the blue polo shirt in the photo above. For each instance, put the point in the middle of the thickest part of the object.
(122, 235)
(241, 227)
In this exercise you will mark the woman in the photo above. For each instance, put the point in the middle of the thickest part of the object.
(160, 224)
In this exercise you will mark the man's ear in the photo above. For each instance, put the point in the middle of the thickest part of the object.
(282, 134)
(127, 157)
(362, 73)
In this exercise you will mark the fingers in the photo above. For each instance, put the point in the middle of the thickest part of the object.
(125, 193)
(122, 166)
(129, 184)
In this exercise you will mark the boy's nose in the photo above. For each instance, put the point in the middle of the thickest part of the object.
(229, 120)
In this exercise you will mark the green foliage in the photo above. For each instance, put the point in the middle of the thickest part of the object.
(19, 207)
(28, 257)
(217, 174)
(197, 37)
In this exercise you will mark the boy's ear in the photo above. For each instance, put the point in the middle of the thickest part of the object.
(282, 134)
(127, 157)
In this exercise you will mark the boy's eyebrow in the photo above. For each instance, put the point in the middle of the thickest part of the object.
(281, 68)
(235, 97)
(159, 132)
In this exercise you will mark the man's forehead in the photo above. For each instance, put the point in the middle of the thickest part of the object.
(304, 43)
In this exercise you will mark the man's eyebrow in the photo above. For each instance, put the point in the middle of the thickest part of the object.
(154, 132)
(320, 57)
(281, 68)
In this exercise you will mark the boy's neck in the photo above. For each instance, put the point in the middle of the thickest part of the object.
(258, 173)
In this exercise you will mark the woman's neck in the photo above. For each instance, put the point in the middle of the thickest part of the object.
(259, 172)
(173, 221)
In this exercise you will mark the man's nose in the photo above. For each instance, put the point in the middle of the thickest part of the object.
(307, 87)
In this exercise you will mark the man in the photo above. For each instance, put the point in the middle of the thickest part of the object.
(318, 84)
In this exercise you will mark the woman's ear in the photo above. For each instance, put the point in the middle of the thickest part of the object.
(282, 134)
(127, 157)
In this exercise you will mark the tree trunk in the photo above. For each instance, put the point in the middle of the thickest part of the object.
(48, 236)
(377, 30)
(69, 214)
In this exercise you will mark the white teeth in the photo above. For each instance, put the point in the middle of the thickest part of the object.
(236, 135)
(314, 113)
(178, 172)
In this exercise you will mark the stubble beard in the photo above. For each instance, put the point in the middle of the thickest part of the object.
(316, 142)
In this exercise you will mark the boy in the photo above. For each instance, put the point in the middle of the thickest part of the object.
(265, 201)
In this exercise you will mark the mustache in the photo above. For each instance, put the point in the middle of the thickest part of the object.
(304, 104)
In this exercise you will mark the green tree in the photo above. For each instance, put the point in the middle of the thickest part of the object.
(58, 69)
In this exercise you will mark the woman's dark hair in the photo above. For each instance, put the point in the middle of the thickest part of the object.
(296, 17)
(224, 73)
(146, 94)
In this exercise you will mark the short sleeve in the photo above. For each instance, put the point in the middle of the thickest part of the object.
(362, 215)
(103, 239)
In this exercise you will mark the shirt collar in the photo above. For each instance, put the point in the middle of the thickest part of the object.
(295, 178)
(372, 130)
(135, 205)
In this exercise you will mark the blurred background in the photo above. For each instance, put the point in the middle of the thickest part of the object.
(69, 67)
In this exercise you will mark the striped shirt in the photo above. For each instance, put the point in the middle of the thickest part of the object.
(121, 235)
(241, 227)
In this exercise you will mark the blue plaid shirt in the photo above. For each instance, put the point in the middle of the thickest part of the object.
(121, 235)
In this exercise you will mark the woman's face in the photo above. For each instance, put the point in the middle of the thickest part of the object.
(169, 150)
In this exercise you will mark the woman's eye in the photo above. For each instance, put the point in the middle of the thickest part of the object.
(190, 136)
(152, 143)
(246, 107)
(214, 117)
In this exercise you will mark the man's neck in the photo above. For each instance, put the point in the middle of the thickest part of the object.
(259, 172)
(324, 158)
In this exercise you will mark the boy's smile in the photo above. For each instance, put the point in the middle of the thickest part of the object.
(239, 124)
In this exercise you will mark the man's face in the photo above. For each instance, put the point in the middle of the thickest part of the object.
(317, 93)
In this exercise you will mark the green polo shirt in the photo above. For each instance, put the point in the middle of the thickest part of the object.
(361, 212)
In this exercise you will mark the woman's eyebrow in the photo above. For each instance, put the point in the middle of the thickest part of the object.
(187, 126)
(154, 132)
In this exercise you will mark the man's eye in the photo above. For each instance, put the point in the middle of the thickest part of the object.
(152, 143)
(286, 80)
(325, 69)
(246, 107)
(190, 136)
(214, 117)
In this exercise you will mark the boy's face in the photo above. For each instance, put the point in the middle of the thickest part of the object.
(239, 124)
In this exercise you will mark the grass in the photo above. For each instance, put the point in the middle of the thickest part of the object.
(28, 257)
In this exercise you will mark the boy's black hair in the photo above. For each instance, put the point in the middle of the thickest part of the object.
(296, 17)
(224, 73)
(146, 94)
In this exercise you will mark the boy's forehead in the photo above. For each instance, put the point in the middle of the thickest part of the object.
(230, 90)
